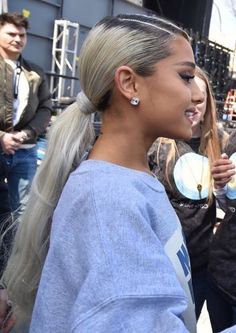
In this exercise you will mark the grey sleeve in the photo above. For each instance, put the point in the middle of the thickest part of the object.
(133, 315)
(220, 195)
(231, 329)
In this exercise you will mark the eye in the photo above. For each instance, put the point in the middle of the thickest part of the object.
(186, 77)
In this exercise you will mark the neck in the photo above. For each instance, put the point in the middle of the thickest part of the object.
(123, 141)
(196, 131)
(121, 150)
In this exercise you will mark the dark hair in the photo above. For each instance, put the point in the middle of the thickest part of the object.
(14, 18)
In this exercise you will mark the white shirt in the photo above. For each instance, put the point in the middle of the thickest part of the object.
(21, 101)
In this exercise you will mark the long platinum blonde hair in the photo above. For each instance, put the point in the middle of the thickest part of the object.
(137, 41)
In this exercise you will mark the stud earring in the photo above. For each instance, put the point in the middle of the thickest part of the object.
(135, 101)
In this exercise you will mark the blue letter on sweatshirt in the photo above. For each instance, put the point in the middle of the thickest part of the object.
(184, 259)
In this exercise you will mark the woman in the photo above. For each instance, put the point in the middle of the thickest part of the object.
(183, 168)
(100, 248)
(221, 300)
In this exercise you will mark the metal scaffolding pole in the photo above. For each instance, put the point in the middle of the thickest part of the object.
(3, 6)
(64, 56)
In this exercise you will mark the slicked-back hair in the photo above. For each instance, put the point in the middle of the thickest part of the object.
(137, 41)
(14, 18)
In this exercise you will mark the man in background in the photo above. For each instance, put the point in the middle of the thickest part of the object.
(25, 109)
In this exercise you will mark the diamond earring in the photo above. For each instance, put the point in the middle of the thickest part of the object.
(135, 101)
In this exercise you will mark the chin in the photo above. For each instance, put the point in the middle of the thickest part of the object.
(186, 135)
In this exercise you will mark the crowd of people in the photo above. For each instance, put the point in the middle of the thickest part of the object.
(115, 232)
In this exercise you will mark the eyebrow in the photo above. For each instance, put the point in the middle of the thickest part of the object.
(16, 33)
(187, 63)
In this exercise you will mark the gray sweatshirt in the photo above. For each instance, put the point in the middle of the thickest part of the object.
(117, 261)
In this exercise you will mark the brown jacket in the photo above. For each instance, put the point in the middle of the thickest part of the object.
(36, 115)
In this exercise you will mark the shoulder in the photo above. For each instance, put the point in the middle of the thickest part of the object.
(161, 144)
(105, 188)
(163, 149)
(97, 205)
(123, 188)
(30, 66)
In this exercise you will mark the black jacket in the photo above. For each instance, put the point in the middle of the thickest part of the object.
(197, 217)
(222, 258)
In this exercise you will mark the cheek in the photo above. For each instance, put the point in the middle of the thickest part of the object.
(5, 40)
(203, 111)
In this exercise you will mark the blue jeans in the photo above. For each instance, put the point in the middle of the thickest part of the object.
(19, 170)
(222, 311)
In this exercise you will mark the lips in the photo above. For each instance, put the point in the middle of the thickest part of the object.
(189, 114)
(16, 45)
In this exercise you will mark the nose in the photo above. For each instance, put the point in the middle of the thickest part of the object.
(17, 38)
(197, 94)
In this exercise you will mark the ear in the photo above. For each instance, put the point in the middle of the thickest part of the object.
(126, 81)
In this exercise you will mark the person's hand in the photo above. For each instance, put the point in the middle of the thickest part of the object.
(11, 142)
(7, 317)
(222, 171)
(20, 136)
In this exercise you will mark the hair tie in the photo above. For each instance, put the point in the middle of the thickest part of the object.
(85, 104)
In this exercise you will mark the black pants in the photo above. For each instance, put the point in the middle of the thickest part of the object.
(222, 311)
(200, 286)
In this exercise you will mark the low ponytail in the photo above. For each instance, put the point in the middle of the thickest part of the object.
(69, 137)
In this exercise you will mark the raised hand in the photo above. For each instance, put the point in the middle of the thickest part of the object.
(222, 171)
